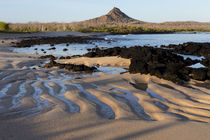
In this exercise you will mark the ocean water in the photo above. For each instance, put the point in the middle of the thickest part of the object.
(117, 40)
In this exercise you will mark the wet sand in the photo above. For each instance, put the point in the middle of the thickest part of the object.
(55, 104)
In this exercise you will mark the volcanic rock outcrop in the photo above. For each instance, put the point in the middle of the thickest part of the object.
(162, 63)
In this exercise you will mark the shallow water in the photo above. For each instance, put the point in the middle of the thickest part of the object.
(16, 101)
(110, 70)
(191, 57)
(59, 84)
(132, 100)
(117, 40)
(197, 65)
(155, 95)
(4, 90)
(158, 39)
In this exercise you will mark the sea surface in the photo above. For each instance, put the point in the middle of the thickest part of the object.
(117, 40)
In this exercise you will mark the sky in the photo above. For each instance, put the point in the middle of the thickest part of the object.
(21, 11)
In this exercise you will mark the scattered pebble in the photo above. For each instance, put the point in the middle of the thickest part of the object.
(65, 49)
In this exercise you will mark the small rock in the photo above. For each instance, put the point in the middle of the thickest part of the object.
(68, 57)
(65, 49)
(78, 78)
(51, 57)
(53, 48)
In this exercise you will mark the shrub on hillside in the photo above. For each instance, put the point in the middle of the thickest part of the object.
(4, 26)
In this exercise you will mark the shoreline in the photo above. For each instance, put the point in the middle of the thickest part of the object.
(187, 72)
(51, 98)
(66, 33)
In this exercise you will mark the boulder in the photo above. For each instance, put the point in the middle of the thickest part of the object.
(199, 74)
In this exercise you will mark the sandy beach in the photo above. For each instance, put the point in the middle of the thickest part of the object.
(54, 104)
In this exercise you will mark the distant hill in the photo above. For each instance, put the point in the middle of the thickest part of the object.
(117, 19)
(115, 15)
(112, 18)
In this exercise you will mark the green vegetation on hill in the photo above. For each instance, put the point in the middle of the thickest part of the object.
(113, 29)
(136, 30)
(25, 30)
(4, 26)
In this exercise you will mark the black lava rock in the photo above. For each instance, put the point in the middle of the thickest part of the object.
(191, 48)
(199, 74)
(62, 57)
(51, 57)
(65, 49)
(55, 40)
(53, 48)
(163, 63)
(208, 74)
(65, 57)
(70, 67)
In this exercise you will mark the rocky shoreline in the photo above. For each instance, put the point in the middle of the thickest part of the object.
(163, 63)
(55, 40)
(70, 67)
(192, 48)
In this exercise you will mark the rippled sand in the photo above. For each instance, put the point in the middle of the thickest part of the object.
(55, 104)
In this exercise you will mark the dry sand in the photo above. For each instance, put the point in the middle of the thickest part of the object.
(52, 104)
(105, 61)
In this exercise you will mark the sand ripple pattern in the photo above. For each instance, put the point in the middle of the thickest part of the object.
(35, 94)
